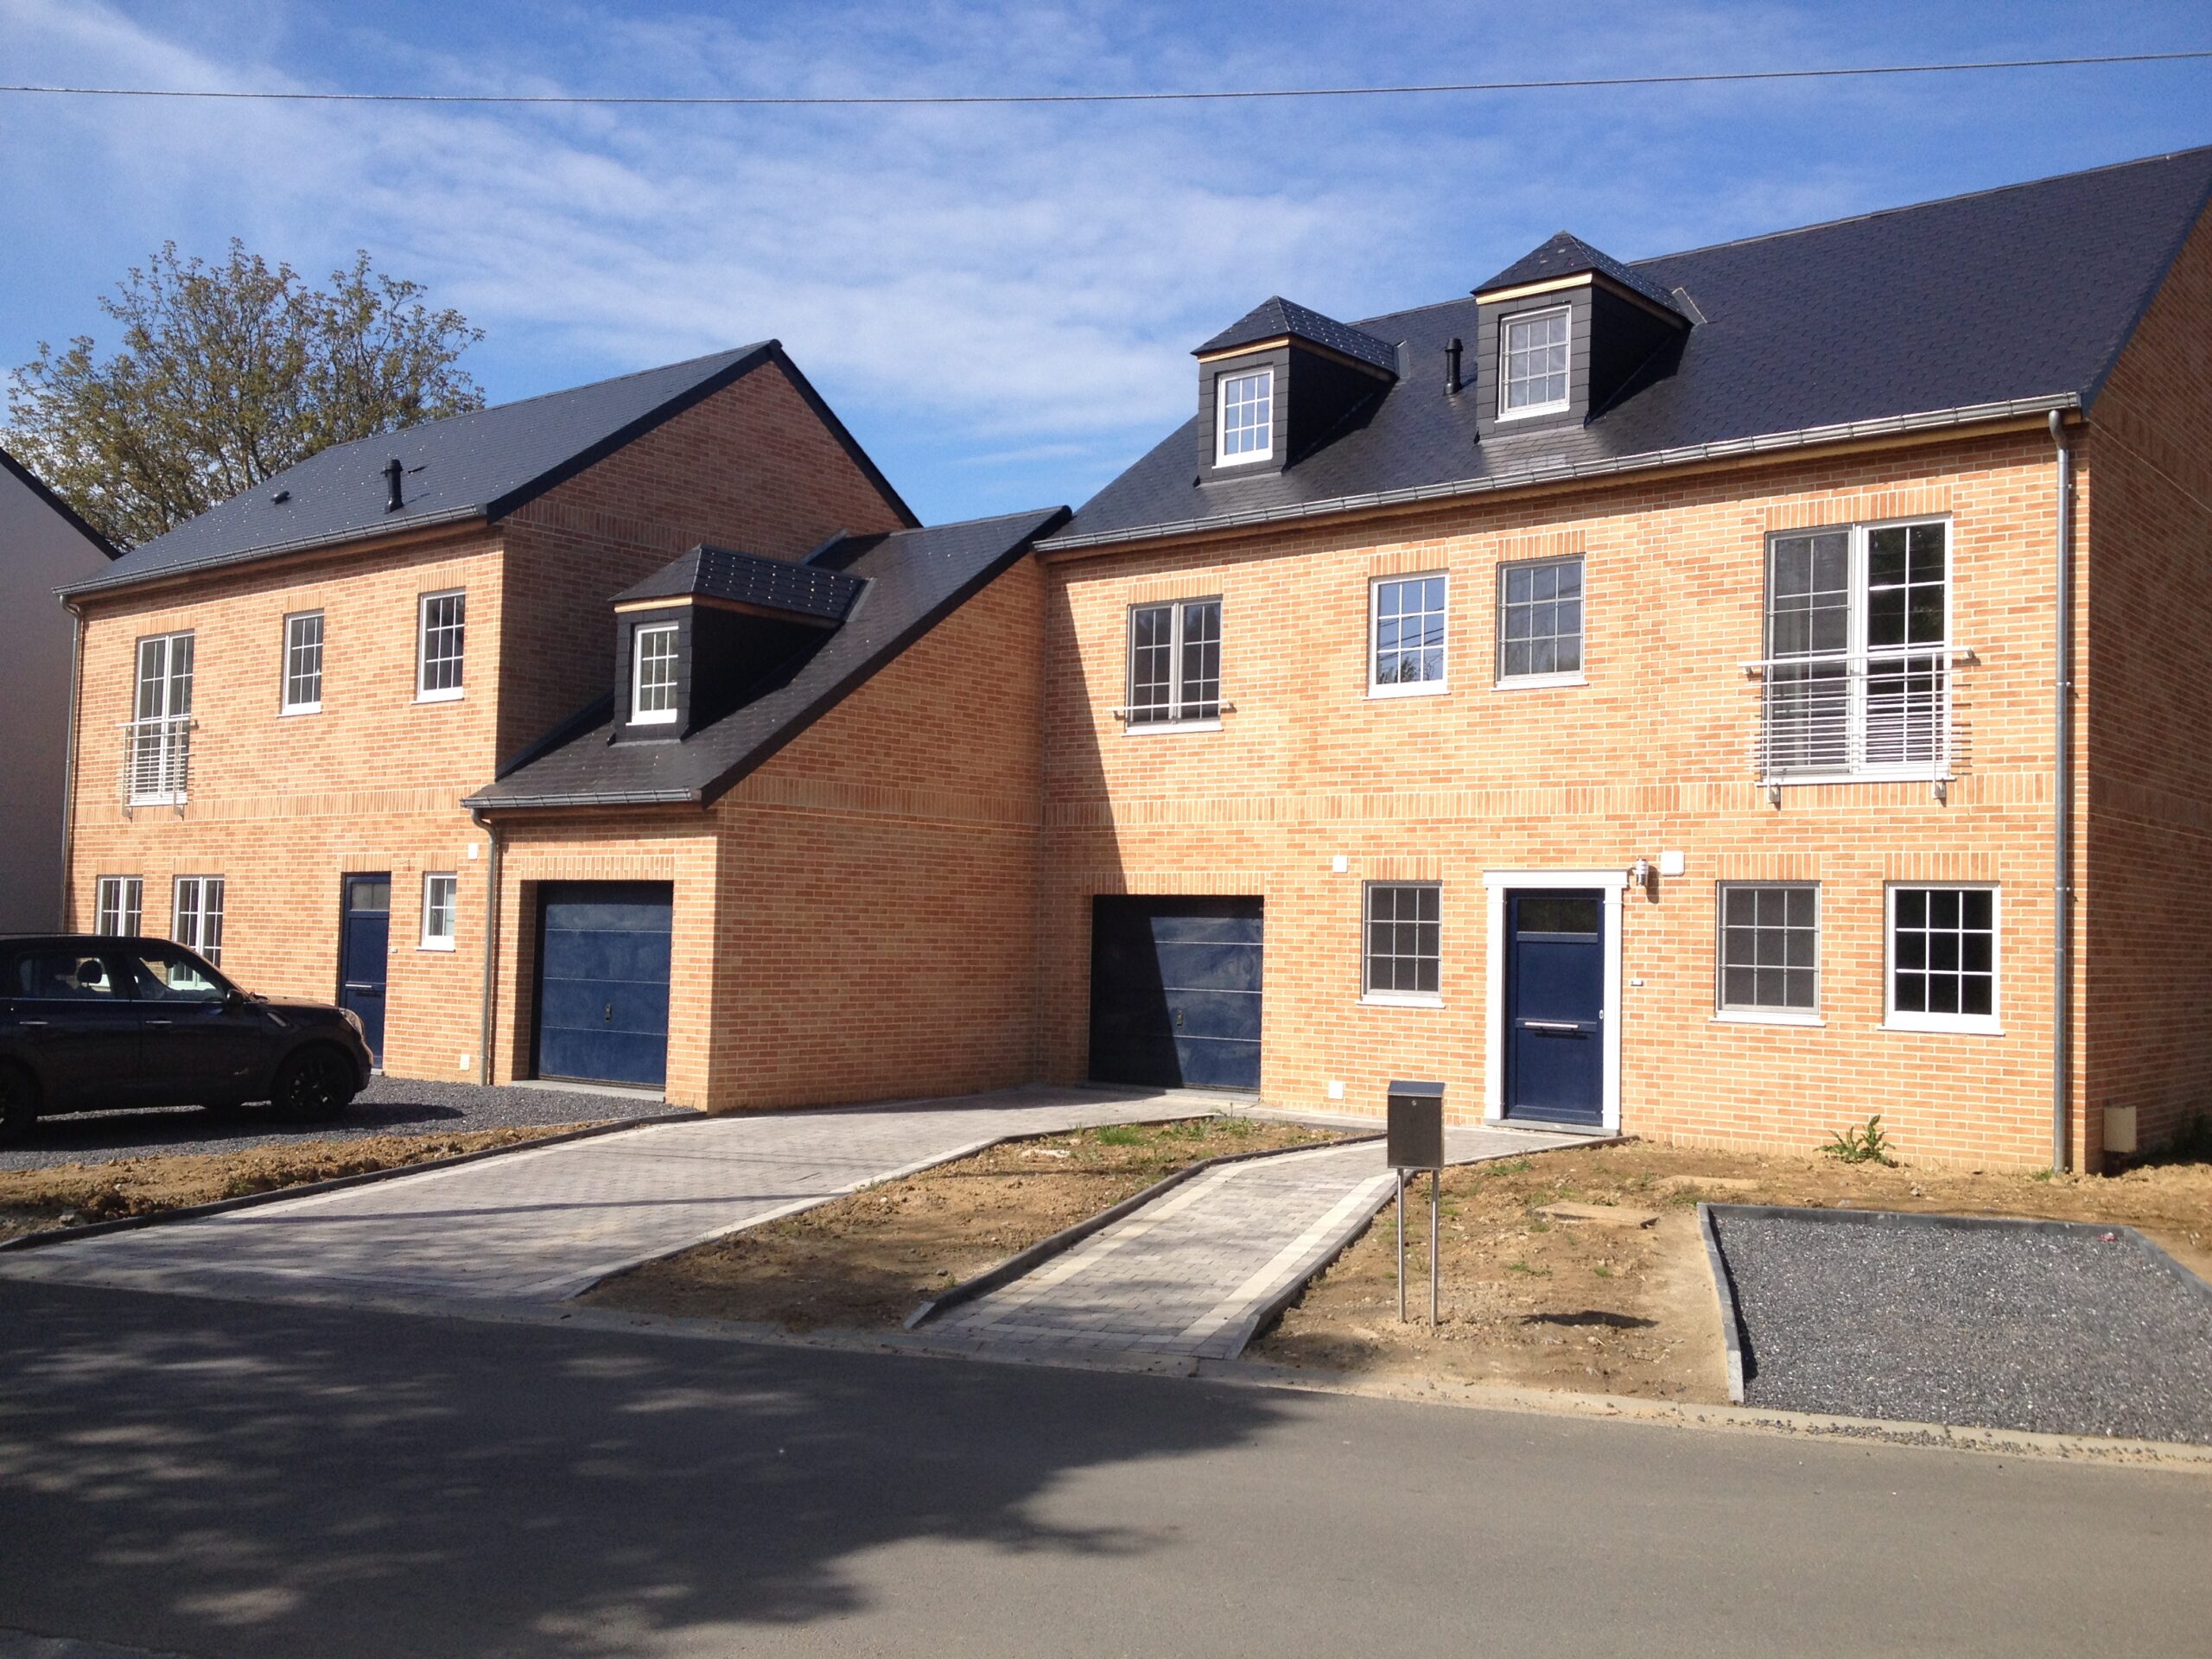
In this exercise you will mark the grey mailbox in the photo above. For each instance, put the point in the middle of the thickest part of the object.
(1416, 1126)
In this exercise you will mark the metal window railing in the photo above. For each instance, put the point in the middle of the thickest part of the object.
(157, 760)
(1874, 714)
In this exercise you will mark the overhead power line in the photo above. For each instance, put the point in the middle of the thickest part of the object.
(908, 99)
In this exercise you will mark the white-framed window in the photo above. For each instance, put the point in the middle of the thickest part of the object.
(197, 922)
(303, 663)
(1768, 956)
(1858, 654)
(121, 901)
(1532, 363)
(652, 674)
(1941, 968)
(157, 750)
(1243, 416)
(1404, 946)
(1540, 622)
(1174, 663)
(438, 652)
(1406, 620)
(441, 902)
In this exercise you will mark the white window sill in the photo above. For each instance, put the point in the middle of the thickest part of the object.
(1539, 682)
(1872, 775)
(453, 695)
(1247, 459)
(1948, 1025)
(1767, 1017)
(1400, 1000)
(436, 944)
(668, 719)
(1134, 729)
(159, 800)
(1531, 412)
(1418, 689)
(301, 708)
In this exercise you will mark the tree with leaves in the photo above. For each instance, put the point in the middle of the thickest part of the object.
(225, 375)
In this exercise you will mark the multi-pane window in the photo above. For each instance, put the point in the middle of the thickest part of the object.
(1943, 957)
(158, 752)
(438, 655)
(1246, 405)
(441, 898)
(1858, 636)
(652, 674)
(1539, 620)
(1409, 635)
(1404, 938)
(1174, 662)
(303, 663)
(1532, 363)
(198, 923)
(1770, 948)
(121, 900)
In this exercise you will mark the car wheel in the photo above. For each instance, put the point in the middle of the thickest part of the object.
(314, 1085)
(18, 1104)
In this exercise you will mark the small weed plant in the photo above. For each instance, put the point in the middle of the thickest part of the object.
(1120, 1134)
(1867, 1145)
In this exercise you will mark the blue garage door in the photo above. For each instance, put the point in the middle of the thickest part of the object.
(1175, 992)
(602, 982)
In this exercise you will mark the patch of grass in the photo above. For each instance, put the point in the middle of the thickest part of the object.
(1861, 1146)
(1120, 1134)
(1602, 1271)
(1533, 1273)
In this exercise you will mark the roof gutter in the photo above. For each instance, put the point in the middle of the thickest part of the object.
(427, 521)
(482, 803)
(1560, 472)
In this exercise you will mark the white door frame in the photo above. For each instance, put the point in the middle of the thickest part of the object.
(1613, 883)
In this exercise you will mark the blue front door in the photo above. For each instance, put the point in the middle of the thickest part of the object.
(1175, 992)
(1554, 1006)
(602, 981)
(363, 932)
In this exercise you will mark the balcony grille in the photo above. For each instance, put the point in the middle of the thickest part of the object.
(157, 760)
(1869, 715)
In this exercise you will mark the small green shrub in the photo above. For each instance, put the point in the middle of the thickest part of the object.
(1862, 1145)
(1120, 1134)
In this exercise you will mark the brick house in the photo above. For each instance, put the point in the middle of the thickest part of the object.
(1630, 693)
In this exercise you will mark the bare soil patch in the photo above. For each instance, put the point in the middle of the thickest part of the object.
(65, 1195)
(1537, 1304)
(865, 1260)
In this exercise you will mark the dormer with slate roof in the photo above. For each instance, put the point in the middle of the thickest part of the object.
(1275, 383)
(1559, 331)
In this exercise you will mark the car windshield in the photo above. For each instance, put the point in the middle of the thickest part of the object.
(172, 976)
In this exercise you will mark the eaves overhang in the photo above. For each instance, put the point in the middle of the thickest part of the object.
(481, 803)
(1559, 471)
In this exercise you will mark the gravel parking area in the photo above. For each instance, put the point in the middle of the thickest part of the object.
(2070, 1331)
(387, 1106)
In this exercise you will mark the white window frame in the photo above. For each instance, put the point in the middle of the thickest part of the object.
(1576, 675)
(293, 645)
(639, 632)
(122, 897)
(1753, 1014)
(157, 750)
(1981, 1025)
(433, 940)
(424, 692)
(1435, 688)
(1177, 721)
(1505, 348)
(1397, 999)
(1221, 384)
(192, 918)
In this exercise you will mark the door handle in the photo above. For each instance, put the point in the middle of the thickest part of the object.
(41, 1024)
(1551, 1024)
(355, 985)
(161, 1022)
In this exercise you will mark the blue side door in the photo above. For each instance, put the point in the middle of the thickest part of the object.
(1554, 1006)
(602, 981)
(1175, 992)
(364, 931)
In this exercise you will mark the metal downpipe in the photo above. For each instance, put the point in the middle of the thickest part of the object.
(490, 996)
(2061, 961)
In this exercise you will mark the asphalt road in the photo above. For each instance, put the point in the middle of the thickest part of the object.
(220, 1478)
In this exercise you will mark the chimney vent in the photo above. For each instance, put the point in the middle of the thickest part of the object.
(393, 472)
(1452, 365)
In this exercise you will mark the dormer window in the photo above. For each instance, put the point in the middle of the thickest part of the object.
(1246, 403)
(1532, 363)
(652, 686)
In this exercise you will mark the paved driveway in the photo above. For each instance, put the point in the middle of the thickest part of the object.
(546, 1223)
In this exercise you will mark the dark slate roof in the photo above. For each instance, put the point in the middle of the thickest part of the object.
(483, 464)
(1568, 255)
(2011, 301)
(805, 590)
(38, 488)
(1273, 318)
(913, 579)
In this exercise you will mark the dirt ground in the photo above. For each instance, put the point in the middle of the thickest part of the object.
(865, 1260)
(33, 1200)
(1607, 1310)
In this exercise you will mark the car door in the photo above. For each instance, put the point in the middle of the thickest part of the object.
(75, 1026)
(198, 1042)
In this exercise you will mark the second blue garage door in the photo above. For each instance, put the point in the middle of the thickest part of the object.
(1175, 992)
(602, 981)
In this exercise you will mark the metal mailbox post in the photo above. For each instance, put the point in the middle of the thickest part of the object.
(1415, 1142)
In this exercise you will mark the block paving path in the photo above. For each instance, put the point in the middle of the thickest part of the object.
(547, 1223)
(1194, 1272)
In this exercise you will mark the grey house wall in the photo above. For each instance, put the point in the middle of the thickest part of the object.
(42, 547)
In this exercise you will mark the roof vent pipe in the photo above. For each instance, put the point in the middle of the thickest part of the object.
(393, 472)
(1452, 365)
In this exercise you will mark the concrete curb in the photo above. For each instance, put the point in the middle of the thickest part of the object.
(1723, 1291)
(336, 1183)
(1026, 1261)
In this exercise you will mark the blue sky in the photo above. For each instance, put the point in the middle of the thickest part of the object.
(1002, 302)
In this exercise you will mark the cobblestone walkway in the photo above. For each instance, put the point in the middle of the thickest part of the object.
(1194, 1272)
(544, 1224)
